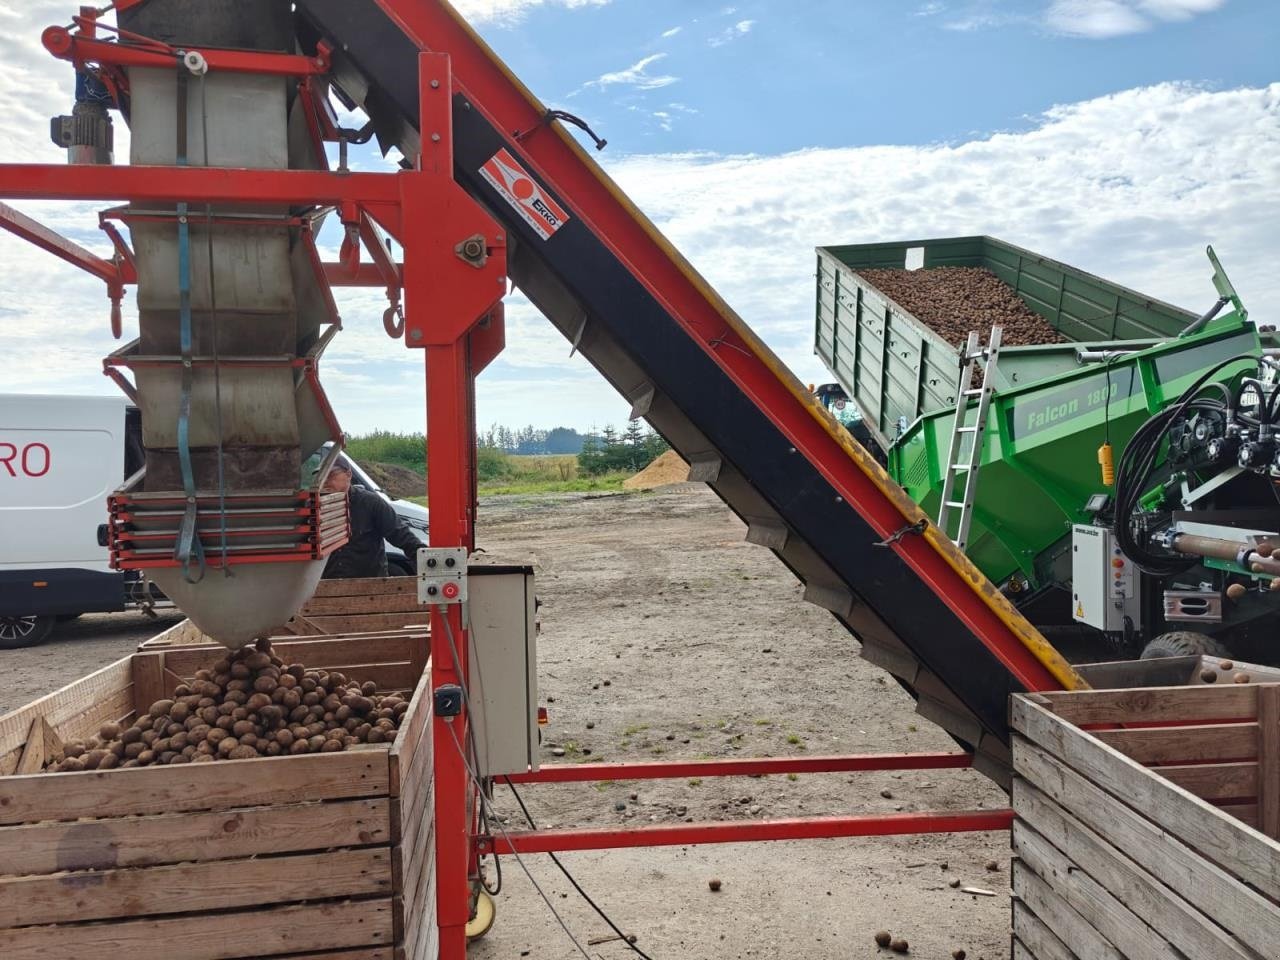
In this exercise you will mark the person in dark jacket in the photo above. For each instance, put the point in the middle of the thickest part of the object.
(372, 522)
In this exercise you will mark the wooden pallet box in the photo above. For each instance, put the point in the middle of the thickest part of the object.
(314, 857)
(1146, 822)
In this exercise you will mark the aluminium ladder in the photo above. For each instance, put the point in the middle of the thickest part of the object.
(965, 464)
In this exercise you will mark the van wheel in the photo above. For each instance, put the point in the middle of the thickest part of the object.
(18, 632)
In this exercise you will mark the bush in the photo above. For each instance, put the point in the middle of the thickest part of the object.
(381, 446)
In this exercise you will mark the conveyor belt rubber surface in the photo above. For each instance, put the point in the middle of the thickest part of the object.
(629, 302)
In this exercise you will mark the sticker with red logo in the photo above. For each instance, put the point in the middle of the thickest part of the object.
(510, 179)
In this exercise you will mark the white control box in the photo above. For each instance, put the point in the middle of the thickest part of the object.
(1105, 584)
(503, 681)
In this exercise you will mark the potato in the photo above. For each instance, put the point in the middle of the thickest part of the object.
(360, 704)
(189, 751)
(73, 748)
(257, 701)
(93, 759)
(240, 671)
(264, 684)
(300, 747)
(179, 741)
(297, 670)
(133, 750)
(160, 724)
(240, 713)
(299, 714)
(342, 714)
(180, 758)
(167, 756)
(308, 684)
(225, 708)
(271, 715)
(109, 731)
(332, 746)
(331, 703)
(284, 738)
(288, 681)
(243, 753)
(193, 721)
(225, 723)
(202, 758)
(117, 748)
(216, 735)
(71, 765)
(240, 686)
(221, 666)
(250, 739)
(292, 700)
(180, 712)
(204, 702)
(273, 749)
(377, 735)
(203, 674)
(316, 742)
(206, 748)
(351, 724)
(363, 730)
(310, 699)
(226, 745)
(162, 745)
(368, 688)
(257, 660)
(146, 757)
(129, 764)
(237, 696)
(384, 714)
(109, 761)
(173, 729)
(160, 708)
(132, 735)
(149, 737)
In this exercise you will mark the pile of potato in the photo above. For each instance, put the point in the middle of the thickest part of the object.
(248, 705)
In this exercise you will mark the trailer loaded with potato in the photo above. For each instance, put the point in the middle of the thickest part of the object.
(1125, 468)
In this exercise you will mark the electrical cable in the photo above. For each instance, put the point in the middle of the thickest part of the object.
(1137, 463)
(213, 326)
(475, 779)
(568, 876)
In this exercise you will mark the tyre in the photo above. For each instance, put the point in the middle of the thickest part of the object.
(1183, 643)
(18, 632)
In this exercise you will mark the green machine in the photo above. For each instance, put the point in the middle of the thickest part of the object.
(1073, 550)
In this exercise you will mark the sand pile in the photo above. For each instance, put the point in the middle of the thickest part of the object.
(668, 468)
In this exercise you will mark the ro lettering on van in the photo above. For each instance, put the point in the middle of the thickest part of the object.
(30, 460)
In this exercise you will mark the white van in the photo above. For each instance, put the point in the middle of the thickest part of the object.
(60, 458)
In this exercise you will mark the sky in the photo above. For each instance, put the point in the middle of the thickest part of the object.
(1120, 136)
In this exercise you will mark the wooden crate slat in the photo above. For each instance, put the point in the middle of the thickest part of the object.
(185, 887)
(375, 603)
(173, 838)
(149, 683)
(1060, 917)
(1214, 781)
(1237, 701)
(220, 936)
(408, 739)
(1233, 904)
(71, 701)
(370, 622)
(1070, 881)
(1036, 940)
(192, 786)
(1213, 832)
(369, 953)
(371, 586)
(1185, 926)
(417, 860)
(1269, 760)
(327, 652)
(1218, 741)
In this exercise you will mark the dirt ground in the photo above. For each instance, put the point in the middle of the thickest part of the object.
(666, 636)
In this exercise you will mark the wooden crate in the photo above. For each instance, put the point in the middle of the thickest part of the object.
(339, 607)
(316, 857)
(1146, 824)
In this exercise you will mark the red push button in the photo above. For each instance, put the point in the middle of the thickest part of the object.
(450, 591)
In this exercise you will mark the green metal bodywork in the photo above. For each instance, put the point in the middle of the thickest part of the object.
(1050, 413)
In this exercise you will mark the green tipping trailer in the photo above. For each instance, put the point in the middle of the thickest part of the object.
(1053, 407)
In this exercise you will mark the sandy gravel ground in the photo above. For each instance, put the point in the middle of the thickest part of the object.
(666, 636)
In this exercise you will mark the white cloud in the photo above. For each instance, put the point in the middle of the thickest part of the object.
(510, 12)
(730, 34)
(636, 75)
(1102, 19)
(1104, 184)
(667, 34)
(931, 9)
